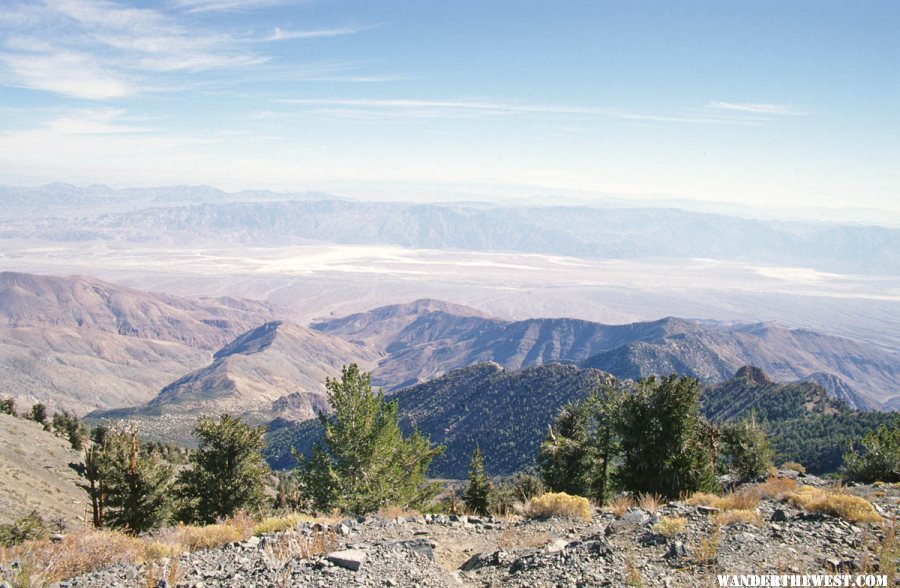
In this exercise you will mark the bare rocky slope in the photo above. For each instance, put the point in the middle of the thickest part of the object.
(35, 475)
(629, 549)
(78, 343)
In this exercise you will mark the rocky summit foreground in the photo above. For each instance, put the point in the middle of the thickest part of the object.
(682, 543)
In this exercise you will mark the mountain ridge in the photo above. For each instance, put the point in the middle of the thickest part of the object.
(429, 342)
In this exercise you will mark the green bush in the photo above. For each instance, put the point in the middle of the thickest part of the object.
(362, 462)
(227, 472)
(666, 446)
(478, 492)
(8, 406)
(29, 527)
(878, 457)
(745, 449)
(129, 489)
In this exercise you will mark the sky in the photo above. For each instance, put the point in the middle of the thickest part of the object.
(767, 102)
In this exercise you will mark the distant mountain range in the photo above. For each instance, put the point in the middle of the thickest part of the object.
(82, 344)
(61, 212)
(459, 375)
(425, 339)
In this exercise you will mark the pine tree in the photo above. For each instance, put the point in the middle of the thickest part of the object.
(363, 462)
(68, 425)
(565, 456)
(745, 448)
(664, 446)
(605, 409)
(878, 457)
(38, 414)
(138, 496)
(129, 489)
(227, 473)
(8, 406)
(477, 495)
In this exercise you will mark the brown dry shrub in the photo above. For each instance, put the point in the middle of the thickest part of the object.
(729, 517)
(836, 503)
(76, 554)
(393, 511)
(512, 538)
(620, 504)
(650, 502)
(793, 465)
(775, 488)
(743, 499)
(670, 526)
(559, 504)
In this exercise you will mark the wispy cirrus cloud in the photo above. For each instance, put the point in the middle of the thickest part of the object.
(102, 49)
(67, 72)
(366, 108)
(280, 34)
(194, 6)
(758, 108)
(105, 121)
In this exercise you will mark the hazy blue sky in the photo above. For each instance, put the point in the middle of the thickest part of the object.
(771, 102)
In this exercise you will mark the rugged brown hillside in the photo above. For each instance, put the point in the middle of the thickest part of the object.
(80, 344)
(28, 300)
(423, 340)
(277, 370)
(35, 474)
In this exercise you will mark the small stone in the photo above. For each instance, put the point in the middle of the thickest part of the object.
(635, 517)
(703, 509)
(350, 559)
(57, 537)
(556, 546)
(677, 549)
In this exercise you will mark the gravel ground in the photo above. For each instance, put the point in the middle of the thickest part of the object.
(609, 550)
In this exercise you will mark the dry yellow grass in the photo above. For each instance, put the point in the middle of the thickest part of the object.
(78, 553)
(44, 562)
(620, 504)
(776, 488)
(632, 574)
(670, 526)
(282, 523)
(744, 499)
(707, 551)
(237, 528)
(728, 517)
(650, 502)
(889, 551)
(392, 512)
(793, 465)
(704, 498)
(559, 504)
(836, 503)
